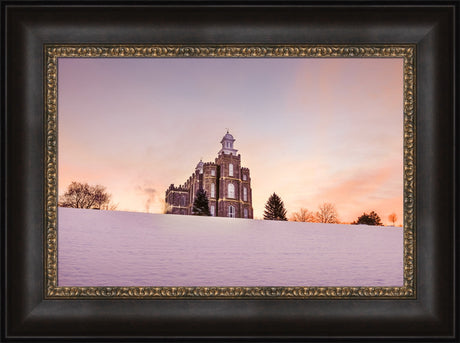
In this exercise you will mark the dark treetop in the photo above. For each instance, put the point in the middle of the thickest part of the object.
(369, 219)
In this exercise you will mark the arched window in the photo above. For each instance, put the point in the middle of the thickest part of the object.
(245, 213)
(230, 169)
(245, 194)
(231, 211)
(213, 172)
(231, 190)
(245, 177)
(213, 210)
(213, 190)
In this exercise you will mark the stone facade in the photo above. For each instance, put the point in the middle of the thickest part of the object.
(226, 183)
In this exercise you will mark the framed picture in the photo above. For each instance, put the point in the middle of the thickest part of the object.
(371, 88)
(264, 172)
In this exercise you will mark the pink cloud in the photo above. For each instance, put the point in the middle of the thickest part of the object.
(364, 192)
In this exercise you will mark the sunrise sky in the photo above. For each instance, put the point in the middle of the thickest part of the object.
(313, 130)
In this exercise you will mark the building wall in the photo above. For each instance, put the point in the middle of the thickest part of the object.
(225, 179)
(177, 200)
(208, 180)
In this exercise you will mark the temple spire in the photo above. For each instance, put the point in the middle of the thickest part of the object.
(227, 144)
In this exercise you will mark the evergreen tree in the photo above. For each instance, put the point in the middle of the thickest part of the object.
(201, 204)
(274, 208)
(369, 219)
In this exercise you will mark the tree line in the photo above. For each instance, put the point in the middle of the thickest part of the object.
(326, 213)
(275, 210)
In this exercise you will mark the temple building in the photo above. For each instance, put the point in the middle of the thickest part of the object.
(226, 183)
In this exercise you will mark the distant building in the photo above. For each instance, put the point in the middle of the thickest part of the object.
(227, 186)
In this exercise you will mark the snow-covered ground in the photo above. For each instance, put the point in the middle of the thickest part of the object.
(114, 248)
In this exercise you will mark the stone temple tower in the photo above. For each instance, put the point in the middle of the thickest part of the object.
(227, 185)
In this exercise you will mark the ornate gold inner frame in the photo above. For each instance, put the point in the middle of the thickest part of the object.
(53, 52)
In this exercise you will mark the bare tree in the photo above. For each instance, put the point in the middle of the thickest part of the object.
(109, 207)
(393, 218)
(82, 195)
(303, 215)
(327, 214)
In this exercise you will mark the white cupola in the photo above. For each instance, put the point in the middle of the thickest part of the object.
(227, 145)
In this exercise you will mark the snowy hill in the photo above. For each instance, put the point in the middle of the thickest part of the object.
(114, 248)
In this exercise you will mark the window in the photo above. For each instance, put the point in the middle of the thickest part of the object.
(213, 190)
(245, 177)
(182, 200)
(231, 190)
(245, 213)
(213, 172)
(231, 211)
(245, 194)
(230, 169)
(213, 210)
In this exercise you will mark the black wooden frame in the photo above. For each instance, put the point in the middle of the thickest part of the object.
(27, 25)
